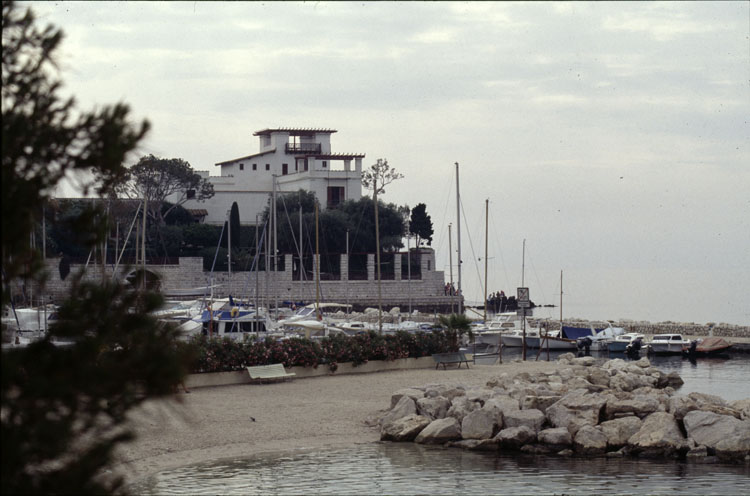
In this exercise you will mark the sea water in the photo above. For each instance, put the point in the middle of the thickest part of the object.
(408, 468)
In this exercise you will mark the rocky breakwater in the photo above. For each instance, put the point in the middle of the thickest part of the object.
(583, 408)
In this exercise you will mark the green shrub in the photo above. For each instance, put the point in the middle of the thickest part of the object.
(224, 355)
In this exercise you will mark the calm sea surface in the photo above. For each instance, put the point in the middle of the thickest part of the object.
(406, 468)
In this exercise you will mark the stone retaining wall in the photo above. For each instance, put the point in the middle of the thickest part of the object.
(242, 377)
(686, 329)
(426, 294)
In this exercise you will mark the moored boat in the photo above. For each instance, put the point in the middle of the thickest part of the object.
(515, 338)
(666, 344)
(553, 341)
(708, 346)
(621, 342)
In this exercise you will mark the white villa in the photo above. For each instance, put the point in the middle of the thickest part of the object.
(297, 158)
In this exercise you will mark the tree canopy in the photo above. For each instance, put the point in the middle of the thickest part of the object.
(356, 216)
(379, 175)
(159, 179)
(44, 139)
(420, 224)
(63, 407)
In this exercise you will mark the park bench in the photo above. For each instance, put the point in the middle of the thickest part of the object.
(450, 358)
(269, 372)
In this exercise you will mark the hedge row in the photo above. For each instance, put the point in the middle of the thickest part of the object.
(225, 355)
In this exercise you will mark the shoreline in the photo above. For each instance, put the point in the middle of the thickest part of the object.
(212, 423)
(246, 420)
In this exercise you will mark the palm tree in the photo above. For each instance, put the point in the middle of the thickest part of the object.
(457, 324)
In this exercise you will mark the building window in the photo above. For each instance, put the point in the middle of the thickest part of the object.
(306, 165)
(325, 164)
(242, 166)
(268, 166)
(190, 194)
(284, 169)
(296, 167)
(335, 196)
(255, 166)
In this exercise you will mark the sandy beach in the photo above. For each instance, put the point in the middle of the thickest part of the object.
(212, 423)
(332, 411)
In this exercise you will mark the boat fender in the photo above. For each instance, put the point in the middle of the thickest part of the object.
(235, 312)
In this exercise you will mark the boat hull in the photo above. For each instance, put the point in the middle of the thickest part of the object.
(617, 346)
(556, 344)
(667, 348)
(710, 346)
(534, 342)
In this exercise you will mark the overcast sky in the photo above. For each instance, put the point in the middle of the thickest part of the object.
(613, 137)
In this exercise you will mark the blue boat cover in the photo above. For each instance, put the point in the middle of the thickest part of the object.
(571, 332)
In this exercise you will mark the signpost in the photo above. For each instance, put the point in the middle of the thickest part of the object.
(522, 298)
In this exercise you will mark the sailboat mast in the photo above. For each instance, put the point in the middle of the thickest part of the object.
(523, 264)
(275, 250)
(257, 267)
(302, 274)
(486, 231)
(458, 231)
(561, 296)
(143, 238)
(450, 264)
(266, 246)
(317, 266)
(347, 277)
(229, 248)
(523, 273)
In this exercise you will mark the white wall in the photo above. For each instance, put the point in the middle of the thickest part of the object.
(250, 188)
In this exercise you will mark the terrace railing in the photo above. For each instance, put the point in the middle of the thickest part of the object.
(303, 148)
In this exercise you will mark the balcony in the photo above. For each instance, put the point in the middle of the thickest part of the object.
(312, 148)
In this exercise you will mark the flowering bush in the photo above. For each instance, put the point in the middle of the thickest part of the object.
(225, 355)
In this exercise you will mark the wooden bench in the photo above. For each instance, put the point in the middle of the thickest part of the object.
(450, 358)
(269, 372)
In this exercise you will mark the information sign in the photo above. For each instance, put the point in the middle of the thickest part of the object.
(523, 298)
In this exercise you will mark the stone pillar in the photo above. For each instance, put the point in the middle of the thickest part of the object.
(288, 266)
(371, 267)
(287, 286)
(397, 266)
(427, 261)
(344, 264)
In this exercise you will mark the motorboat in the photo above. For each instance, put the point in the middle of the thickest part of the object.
(620, 343)
(180, 310)
(23, 326)
(311, 329)
(665, 344)
(708, 346)
(226, 318)
(313, 311)
(552, 340)
(503, 322)
(601, 339)
(36, 319)
(354, 327)
(515, 338)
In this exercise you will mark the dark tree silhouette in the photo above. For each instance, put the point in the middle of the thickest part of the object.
(63, 407)
(420, 224)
